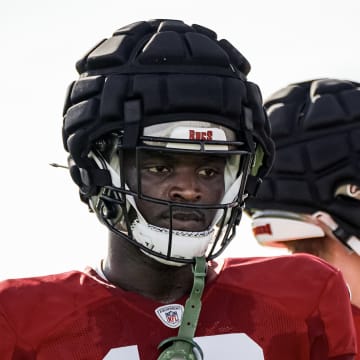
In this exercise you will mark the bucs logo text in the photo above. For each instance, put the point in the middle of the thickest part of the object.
(262, 229)
(200, 135)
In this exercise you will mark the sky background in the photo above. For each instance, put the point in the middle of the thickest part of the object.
(44, 226)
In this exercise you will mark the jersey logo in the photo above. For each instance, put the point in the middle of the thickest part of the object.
(200, 135)
(262, 229)
(170, 315)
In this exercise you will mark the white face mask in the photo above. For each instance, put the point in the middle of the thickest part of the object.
(185, 244)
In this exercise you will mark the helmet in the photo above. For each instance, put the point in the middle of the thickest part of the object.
(316, 129)
(164, 85)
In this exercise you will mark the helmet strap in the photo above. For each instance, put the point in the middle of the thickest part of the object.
(183, 346)
(350, 241)
(258, 160)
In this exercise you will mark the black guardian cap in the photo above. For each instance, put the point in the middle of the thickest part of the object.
(316, 129)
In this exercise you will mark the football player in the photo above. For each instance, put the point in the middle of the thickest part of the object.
(166, 138)
(310, 202)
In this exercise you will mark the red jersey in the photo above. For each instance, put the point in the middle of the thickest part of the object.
(356, 315)
(256, 308)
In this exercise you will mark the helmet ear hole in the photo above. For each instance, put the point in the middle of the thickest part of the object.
(82, 179)
(109, 211)
(75, 175)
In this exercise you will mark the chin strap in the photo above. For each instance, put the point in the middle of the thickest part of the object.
(183, 346)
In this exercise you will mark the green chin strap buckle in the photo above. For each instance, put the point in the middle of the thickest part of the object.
(180, 349)
(183, 346)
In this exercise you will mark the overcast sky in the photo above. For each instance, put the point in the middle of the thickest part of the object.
(44, 227)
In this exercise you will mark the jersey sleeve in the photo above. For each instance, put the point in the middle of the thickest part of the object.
(334, 309)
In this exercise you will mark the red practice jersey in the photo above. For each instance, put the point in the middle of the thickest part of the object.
(356, 314)
(283, 308)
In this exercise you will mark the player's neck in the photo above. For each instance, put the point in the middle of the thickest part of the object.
(127, 267)
(349, 264)
(351, 273)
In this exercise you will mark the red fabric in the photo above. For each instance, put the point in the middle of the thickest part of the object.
(356, 315)
(277, 302)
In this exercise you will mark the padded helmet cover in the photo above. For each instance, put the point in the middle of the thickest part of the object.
(316, 130)
(158, 71)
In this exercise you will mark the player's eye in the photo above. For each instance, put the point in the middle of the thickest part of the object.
(159, 169)
(208, 172)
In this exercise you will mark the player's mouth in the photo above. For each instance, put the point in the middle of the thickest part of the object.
(186, 220)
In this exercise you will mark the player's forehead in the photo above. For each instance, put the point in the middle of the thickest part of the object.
(174, 157)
